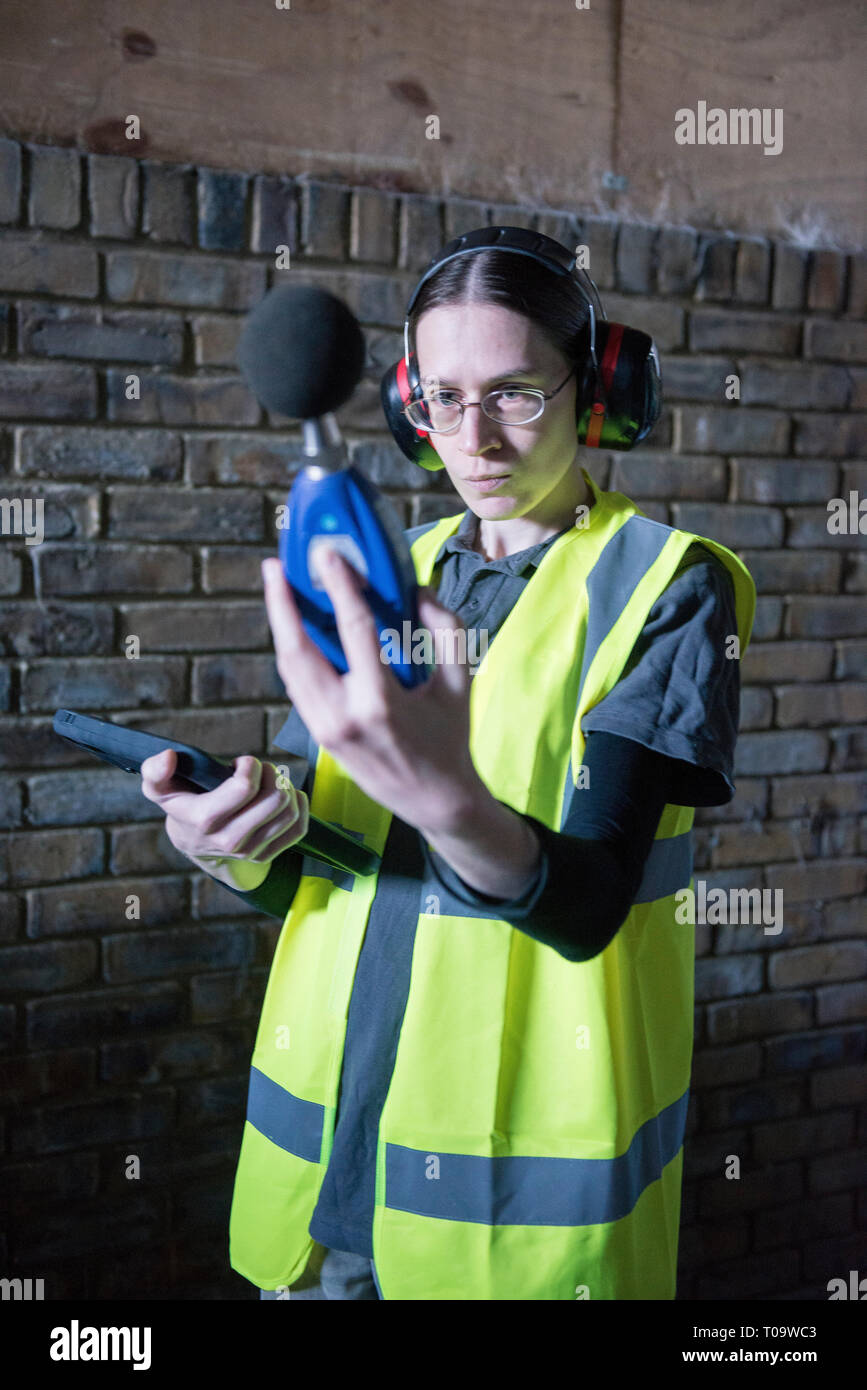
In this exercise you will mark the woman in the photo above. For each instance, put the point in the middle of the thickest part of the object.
(471, 1073)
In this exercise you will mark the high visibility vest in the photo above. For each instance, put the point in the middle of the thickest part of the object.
(531, 1141)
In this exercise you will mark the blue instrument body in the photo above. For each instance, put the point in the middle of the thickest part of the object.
(345, 509)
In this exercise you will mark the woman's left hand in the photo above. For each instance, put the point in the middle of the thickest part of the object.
(407, 749)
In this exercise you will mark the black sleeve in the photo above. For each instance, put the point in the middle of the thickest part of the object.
(275, 893)
(591, 870)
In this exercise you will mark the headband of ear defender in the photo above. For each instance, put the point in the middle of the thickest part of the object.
(620, 394)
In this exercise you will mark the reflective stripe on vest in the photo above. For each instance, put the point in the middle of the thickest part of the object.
(531, 1139)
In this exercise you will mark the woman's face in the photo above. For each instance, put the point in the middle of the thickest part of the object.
(473, 348)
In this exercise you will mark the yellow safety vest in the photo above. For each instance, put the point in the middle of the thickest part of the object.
(530, 1145)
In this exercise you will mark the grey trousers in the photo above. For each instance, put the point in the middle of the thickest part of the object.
(331, 1274)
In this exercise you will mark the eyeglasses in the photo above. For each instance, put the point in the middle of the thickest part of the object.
(441, 412)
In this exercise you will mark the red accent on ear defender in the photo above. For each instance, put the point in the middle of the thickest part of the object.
(403, 386)
(607, 369)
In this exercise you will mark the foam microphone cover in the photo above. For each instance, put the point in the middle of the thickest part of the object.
(301, 352)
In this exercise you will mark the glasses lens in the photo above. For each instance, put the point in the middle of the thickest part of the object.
(434, 413)
(515, 407)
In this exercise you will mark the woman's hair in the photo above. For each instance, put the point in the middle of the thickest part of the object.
(553, 302)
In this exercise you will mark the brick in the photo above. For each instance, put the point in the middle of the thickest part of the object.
(769, 662)
(324, 219)
(99, 906)
(10, 180)
(185, 514)
(11, 919)
(29, 265)
(255, 459)
(10, 573)
(132, 455)
(73, 1177)
(832, 1171)
(769, 1099)
(420, 231)
(750, 1278)
(202, 282)
(809, 526)
(715, 978)
(106, 569)
(826, 280)
(729, 430)
(55, 855)
(857, 302)
(372, 226)
(10, 802)
(832, 1259)
(795, 385)
(58, 392)
(794, 572)
(221, 679)
(844, 918)
(57, 798)
(756, 709)
(80, 1017)
(752, 271)
(7, 1037)
(78, 330)
(219, 997)
(373, 297)
(677, 260)
(839, 1086)
(769, 618)
(55, 188)
(717, 259)
(104, 684)
(801, 1137)
(59, 965)
(815, 705)
(215, 339)
(5, 688)
(827, 617)
(141, 848)
(274, 215)
(647, 473)
(848, 750)
(696, 378)
(183, 1054)
(182, 400)
(850, 661)
(809, 1051)
(790, 276)
(215, 1099)
(815, 879)
(233, 569)
(808, 965)
(6, 327)
(836, 340)
(212, 899)
(719, 1066)
(222, 209)
(196, 626)
(836, 436)
(113, 195)
(664, 322)
(754, 1190)
(828, 1216)
(507, 214)
(732, 525)
(599, 235)
(754, 844)
(719, 330)
(635, 258)
(464, 215)
(386, 466)
(51, 629)
(169, 202)
(841, 1003)
(700, 1246)
(104, 1121)
(762, 1014)
(856, 574)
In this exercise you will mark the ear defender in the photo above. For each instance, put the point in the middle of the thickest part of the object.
(620, 392)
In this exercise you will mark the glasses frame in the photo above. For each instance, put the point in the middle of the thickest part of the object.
(542, 396)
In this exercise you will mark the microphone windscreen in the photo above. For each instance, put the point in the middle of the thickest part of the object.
(301, 352)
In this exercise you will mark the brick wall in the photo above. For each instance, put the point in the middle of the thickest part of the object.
(131, 1035)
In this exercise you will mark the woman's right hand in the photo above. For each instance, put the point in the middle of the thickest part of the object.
(249, 818)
